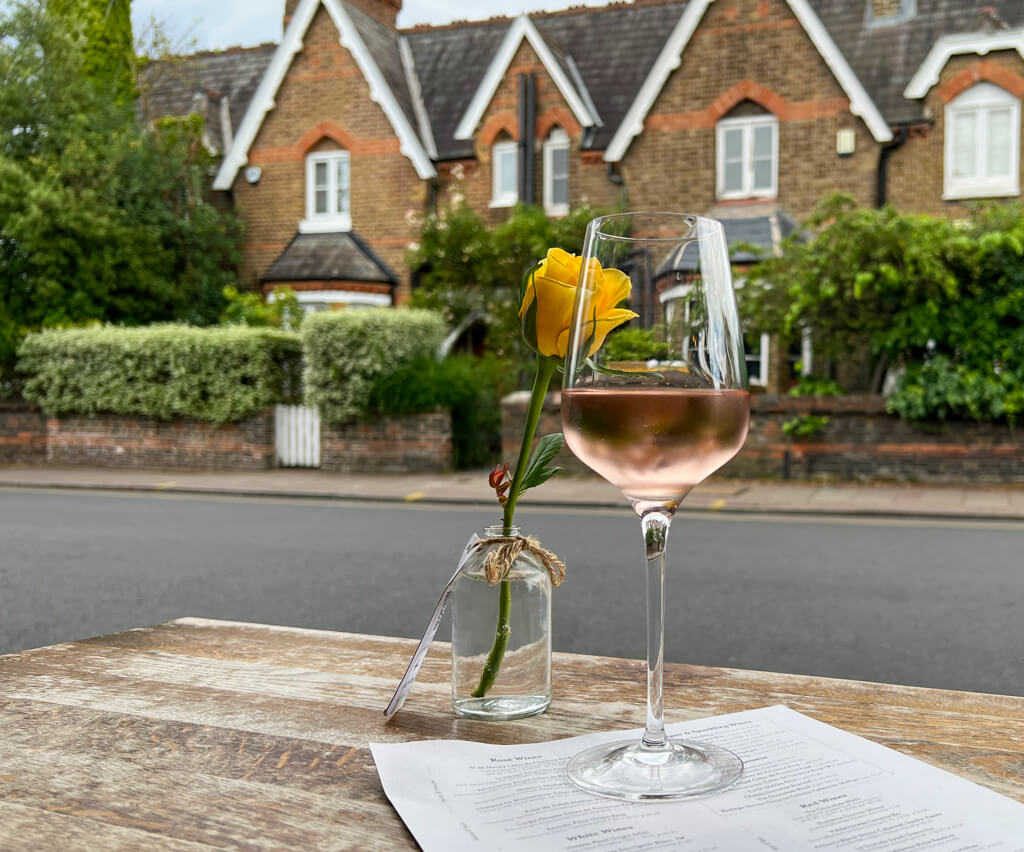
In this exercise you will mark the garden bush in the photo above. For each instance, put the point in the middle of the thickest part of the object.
(634, 344)
(163, 371)
(470, 387)
(347, 352)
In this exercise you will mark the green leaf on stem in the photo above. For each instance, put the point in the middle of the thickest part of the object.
(537, 472)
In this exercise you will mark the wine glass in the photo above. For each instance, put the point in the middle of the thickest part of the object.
(655, 429)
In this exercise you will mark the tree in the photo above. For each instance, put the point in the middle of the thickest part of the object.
(942, 301)
(101, 219)
(467, 269)
(105, 27)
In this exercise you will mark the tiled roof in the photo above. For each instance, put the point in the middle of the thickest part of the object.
(885, 57)
(614, 48)
(763, 232)
(382, 42)
(181, 85)
(330, 257)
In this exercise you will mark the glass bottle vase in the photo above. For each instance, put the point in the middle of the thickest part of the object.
(522, 686)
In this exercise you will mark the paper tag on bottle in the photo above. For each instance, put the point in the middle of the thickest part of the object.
(409, 677)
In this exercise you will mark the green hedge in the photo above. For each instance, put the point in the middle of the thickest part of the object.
(347, 353)
(163, 371)
(469, 386)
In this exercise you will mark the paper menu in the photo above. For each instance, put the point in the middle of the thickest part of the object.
(806, 786)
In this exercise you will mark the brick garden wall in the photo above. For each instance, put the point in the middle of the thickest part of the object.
(418, 443)
(22, 433)
(859, 442)
(111, 440)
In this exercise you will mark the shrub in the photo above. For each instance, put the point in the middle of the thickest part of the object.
(635, 344)
(347, 352)
(469, 387)
(163, 371)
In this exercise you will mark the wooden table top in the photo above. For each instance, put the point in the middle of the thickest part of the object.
(200, 734)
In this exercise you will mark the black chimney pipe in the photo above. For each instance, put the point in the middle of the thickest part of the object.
(527, 108)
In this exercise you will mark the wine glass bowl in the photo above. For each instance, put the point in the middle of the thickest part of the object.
(655, 429)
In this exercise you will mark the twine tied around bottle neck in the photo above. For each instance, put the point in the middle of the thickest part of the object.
(505, 550)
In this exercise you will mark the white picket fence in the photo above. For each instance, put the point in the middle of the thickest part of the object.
(297, 435)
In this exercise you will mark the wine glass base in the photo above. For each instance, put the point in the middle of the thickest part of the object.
(629, 770)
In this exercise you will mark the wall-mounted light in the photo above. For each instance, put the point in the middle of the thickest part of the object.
(253, 174)
(846, 142)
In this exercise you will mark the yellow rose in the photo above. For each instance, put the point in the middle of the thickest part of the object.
(553, 286)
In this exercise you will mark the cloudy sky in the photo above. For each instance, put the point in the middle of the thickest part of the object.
(206, 25)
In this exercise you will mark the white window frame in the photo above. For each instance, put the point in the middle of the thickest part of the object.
(763, 359)
(333, 220)
(499, 198)
(558, 140)
(981, 99)
(746, 124)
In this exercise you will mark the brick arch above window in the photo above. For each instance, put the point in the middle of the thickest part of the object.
(326, 130)
(557, 117)
(984, 70)
(747, 90)
(495, 126)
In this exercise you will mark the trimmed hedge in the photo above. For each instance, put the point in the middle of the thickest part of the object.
(163, 371)
(467, 385)
(347, 352)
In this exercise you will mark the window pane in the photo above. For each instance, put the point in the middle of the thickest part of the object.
(560, 162)
(560, 191)
(733, 177)
(999, 143)
(733, 141)
(507, 171)
(763, 142)
(321, 201)
(321, 175)
(342, 190)
(762, 174)
(963, 144)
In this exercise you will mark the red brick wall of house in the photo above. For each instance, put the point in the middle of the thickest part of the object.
(917, 169)
(587, 181)
(737, 51)
(324, 92)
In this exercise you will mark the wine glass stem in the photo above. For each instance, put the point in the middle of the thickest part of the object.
(655, 524)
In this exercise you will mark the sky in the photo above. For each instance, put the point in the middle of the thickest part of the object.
(205, 25)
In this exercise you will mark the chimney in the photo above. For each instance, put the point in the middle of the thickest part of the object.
(385, 11)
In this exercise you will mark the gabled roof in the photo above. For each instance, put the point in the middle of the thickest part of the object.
(206, 82)
(556, 63)
(671, 55)
(357, 31)
(927, 74)
(340, 256)
(612, 48)
(885, 58)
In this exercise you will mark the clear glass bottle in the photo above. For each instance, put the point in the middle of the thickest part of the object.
(522, 686)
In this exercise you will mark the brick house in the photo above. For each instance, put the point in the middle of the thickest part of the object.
(338, 140)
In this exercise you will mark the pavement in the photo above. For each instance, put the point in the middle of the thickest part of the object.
(470, 488)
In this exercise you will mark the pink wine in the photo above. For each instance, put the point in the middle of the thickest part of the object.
(656, 444)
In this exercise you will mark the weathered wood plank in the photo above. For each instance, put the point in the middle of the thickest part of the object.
(201, 734)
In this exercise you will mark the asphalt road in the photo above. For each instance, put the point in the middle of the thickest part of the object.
(915, 602)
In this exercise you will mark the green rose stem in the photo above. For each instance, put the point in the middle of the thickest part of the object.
(545, 370)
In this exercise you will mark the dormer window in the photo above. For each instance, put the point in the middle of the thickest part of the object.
(748, 156)
(556, 173)
(327, 192)
(504, 173)
(884, 13)
(982, 132)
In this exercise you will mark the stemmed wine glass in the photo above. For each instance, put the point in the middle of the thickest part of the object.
(655, 430)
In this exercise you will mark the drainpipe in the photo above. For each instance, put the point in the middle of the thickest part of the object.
(527, 98)
(620, 182)
(881, 187)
